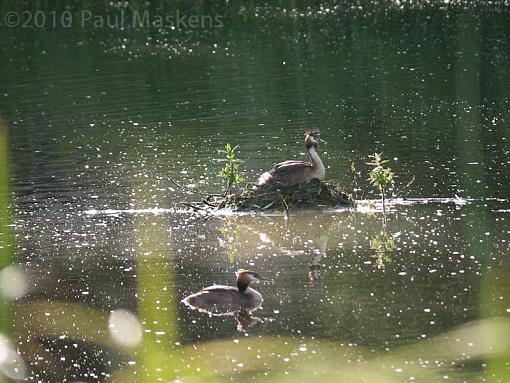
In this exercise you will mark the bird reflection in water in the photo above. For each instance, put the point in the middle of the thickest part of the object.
(314, 271)
(240, 300)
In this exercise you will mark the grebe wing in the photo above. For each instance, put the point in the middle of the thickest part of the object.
(289, 169)
(220, 288)
(289, 163)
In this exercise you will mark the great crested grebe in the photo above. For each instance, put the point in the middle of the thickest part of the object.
(223, 300)
(297, 172)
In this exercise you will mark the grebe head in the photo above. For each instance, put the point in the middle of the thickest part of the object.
(312, 138)
(245, 277)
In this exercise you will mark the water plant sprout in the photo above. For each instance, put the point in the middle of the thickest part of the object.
(381, 176)
(230, 173)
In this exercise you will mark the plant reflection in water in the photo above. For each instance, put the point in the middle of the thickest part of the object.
(383, 244)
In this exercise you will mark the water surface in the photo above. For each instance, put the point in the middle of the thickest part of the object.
(99, 120)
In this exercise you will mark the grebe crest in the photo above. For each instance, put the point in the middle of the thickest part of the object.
(312, 138)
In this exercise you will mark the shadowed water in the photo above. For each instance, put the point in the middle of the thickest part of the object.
(99, 120)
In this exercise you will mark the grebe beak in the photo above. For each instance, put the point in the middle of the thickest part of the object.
(261, 278)
(321, 140)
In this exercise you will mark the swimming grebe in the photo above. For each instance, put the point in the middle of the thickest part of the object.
(224, 300)
(297, 172)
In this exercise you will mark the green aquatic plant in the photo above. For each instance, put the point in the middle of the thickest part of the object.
(230, 173)
(381, 176)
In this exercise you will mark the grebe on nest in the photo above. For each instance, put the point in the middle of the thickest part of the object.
(297, 172)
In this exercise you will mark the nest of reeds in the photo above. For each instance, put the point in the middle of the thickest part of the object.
(313, 194)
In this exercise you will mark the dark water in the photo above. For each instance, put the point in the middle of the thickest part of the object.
(99, 119)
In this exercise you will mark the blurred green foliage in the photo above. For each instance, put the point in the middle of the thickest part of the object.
(6, 241)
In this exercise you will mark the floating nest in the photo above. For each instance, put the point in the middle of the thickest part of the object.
(310, 195)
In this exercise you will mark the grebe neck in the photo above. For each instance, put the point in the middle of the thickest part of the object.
(242, 286)
(315, 159)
